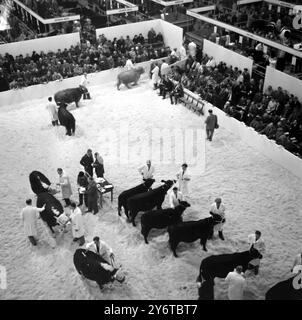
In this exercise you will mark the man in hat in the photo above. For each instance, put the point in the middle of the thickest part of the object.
(218, 209)
(236, 282)
(84, 83)
(211, 124)
(174, 197)
(256, 243)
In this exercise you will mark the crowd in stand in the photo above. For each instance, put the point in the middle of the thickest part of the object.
(44, 8)
(37, 68)
(275, 113)
(259, 20)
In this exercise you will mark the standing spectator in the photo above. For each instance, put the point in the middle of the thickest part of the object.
(53, 110)
(77, 224)
(217, 208)
(155, 75)
(83, 184)
(192, 49)
(183, 177)
(177, 92)
(236, 283)
(4, 85)
(147, 171)
(151, 36)
(87, 161)
(164, 68)
(29, 216)
(65, 186)
(98, 165)
(93, 195)
(84, 83)
(174, 197)
(211, 124)
(183, 52)
(256, 243)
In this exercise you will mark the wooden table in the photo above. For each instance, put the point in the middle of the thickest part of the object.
(104, 187)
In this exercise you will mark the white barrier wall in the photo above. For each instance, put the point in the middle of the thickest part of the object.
(228, 56)
(42, 44)
(45, 90)
(276, 78)
(172, 35)
(261, 143)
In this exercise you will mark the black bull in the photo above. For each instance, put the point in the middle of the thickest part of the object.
(290, 289)
(88, 264)
(66, 119)
(70, 95)
(219, 266)
(162, 218)
(45, 197)
(191, 231)
(148, 200)
(125, 195)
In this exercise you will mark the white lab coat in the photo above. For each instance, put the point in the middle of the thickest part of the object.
(77, 223)
(129, 65)
(146, 172)
(236, 285)
(258, 245)
(84, 81)
(155, 75)
(164, 68)
(183, 53)
(29, 216)
(192, 48)
(221, 212)
(104, 251)
(174, 199)
(53, 110)
(65, 185)
(183, 182)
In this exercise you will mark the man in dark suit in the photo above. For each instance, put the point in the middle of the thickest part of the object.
(211, 124)
(87, 161)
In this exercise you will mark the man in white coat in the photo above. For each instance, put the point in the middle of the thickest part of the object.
(183, 177)
(147, 171)
(192, 49)
(84, 83)
(218, 208)
(155, 76)
(101, 248)
(77, 224)
(29, 216)
(129, 64)
(164, 68)
(183, 52)
(256, 243)
(174, 197)
(236, 283)
(53, 110)
(65, 185)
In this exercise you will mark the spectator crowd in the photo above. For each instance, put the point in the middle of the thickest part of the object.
(275, 113)
(42, 67)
